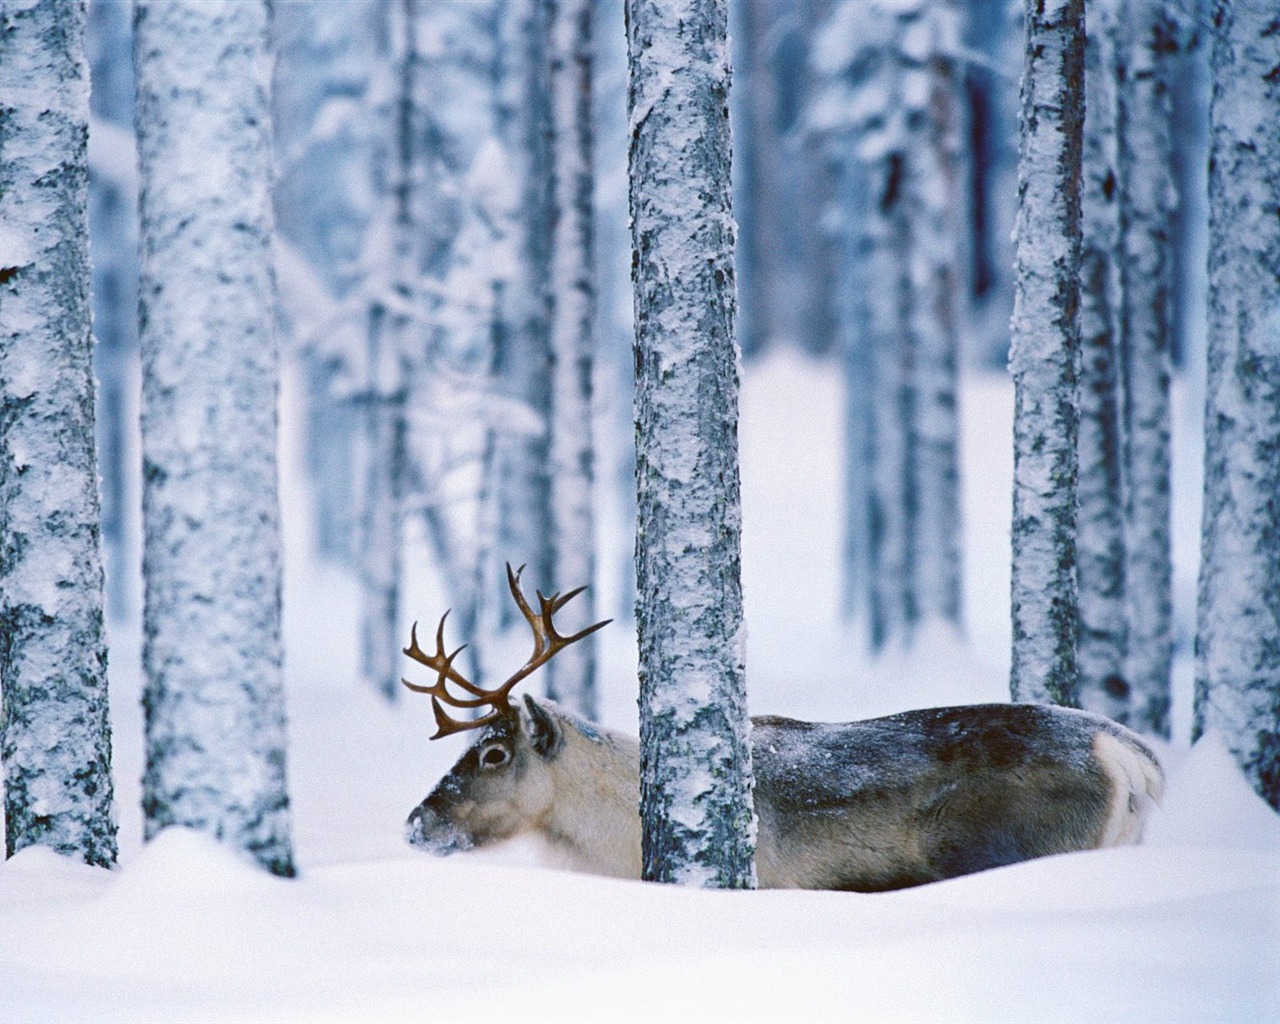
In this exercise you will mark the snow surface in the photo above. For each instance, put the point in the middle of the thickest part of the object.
(1183, 928)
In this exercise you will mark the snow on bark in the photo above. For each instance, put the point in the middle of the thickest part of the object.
(1146, 46)
(522, 360)
(1044, 354)
(1238, 628)
(215, 726)
(55, 737)
(889, 110)
(390, 333)
(571, 677)
(935, 201)
(696, 780)
(1100, 651)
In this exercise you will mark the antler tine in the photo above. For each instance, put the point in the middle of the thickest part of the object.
(546, 644)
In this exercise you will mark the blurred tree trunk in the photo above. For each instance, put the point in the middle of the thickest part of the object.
(1100, 568)
(1146, 46)
(571, 677)
(55, 734)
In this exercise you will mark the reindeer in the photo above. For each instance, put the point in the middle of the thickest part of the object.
(866, 806)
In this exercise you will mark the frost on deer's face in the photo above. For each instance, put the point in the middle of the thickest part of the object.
(501, 787)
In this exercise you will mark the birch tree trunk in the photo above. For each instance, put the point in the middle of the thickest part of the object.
(1238, 628)
(1146, 46)
(1101, 648)
(571, 677)
(215, 729)
(1044, 354)
(696, 782)
(55, 736)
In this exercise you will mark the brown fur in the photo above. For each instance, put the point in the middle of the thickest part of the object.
(867, 806)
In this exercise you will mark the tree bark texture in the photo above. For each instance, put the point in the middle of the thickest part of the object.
(1146, 46)
(215, 727)
(55, 736)
(572, 675)
(1102, 644)
(1044, 354)
(1238, 628)
(696, 780)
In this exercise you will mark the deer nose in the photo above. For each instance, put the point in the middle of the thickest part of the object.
(428, 830)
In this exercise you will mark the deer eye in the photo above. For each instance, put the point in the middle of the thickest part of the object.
(494, 756)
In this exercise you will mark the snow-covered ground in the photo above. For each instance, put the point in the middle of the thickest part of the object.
(1183, 928)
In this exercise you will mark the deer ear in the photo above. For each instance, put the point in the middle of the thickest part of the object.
(545, 735)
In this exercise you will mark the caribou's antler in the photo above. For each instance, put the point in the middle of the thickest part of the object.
(546, 644)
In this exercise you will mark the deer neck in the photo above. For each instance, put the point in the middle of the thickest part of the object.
(595, 818)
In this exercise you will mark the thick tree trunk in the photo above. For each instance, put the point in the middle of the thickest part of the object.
(55, 737)
(214, 699)
(1145, 49)
(1238, 629)
(1100, 651)
(571, 677)
(695, 785)
(1044, 354)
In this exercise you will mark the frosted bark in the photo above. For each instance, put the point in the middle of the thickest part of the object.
(1238, 627)
(935, 201)
(215, 728)
(391, 327)
(55, 737)
(571, 676)
(695, 802)
(1100, 651)
(522, 361)
(113, 240)
(1044, 354)
(1146, 46)
(890, 108)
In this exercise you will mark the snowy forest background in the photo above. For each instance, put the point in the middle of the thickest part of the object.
(411, 173)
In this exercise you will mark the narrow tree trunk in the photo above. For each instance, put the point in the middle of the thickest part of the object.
(1238, 628)
(391, 324)
(695, 756)
(1044, 354)
(935, 204)
(55, 737)
(523, 360)
(1145, 48)
(215, 729)
(571, 677)
(1100, 651)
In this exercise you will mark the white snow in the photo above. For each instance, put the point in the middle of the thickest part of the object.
(1183, 928)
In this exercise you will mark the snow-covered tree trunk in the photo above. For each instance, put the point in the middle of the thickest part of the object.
(696, 781)
(1145, 48)
(113, 235)
(1044, 354)
(571, 677)
(1100, 651)
(935, 205)
(55, 736)
(1238, 628)
(391, 323)
(522, 364)
(215, 728)
(889, 107)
